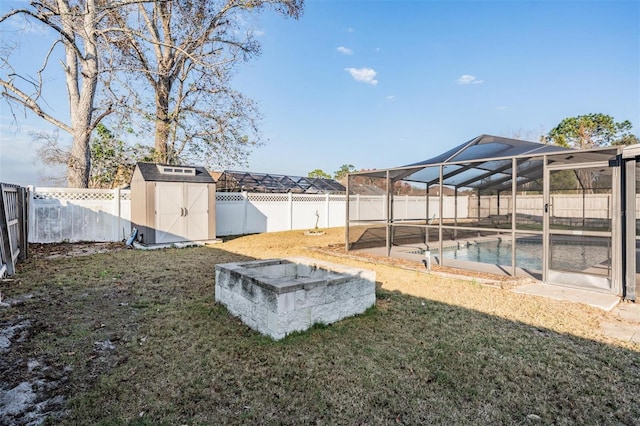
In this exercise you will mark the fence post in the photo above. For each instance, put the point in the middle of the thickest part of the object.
(385, 208)
(327, 209)
(117, 208)
(32, 210)
(23, 215)
(245, 206)
(290, 209)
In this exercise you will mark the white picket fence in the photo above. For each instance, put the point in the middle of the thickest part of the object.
(60, 214)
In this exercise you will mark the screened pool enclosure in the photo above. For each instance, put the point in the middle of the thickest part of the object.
(563, 216)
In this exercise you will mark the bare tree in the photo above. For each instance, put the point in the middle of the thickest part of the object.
(176, 59)
(75, 25)
(52, 155)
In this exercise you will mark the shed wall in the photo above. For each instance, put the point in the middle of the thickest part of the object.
(142, 206)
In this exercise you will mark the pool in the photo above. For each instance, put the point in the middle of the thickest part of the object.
(567, 256)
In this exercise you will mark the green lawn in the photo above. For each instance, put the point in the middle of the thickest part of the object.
(178, 358)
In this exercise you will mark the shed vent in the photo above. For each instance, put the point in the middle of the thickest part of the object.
(176, 171)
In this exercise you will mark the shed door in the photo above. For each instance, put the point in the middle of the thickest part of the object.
(197, 211)
(170, 226)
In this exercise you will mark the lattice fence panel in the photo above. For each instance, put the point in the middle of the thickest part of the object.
(226, 197)
(73, 194)
(309, 198)
(269, 198)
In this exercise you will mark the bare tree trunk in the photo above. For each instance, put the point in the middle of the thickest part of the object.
(79, 163)
(187, 52)
(76, 23)
(165, 58)
(163, 121)
(82, 80)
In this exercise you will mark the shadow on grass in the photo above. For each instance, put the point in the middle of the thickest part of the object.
(228, 238)
(180, 358)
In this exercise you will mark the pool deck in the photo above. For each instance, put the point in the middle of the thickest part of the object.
(606, 302)
(624, 324)
(405, 252)
(622, 321)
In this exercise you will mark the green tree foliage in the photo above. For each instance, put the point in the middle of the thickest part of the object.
(629, 139)
(564, 181)
(113, 161)
(108, 155)
(591, 131)
(319, 174)
(343, 171)
(583, 132)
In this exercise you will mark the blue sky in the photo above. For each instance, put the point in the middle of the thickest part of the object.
(385, 83)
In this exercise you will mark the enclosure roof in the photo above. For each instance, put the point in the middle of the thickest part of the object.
(486, 162)
(487, 146)
(152, 172)
(231, 181)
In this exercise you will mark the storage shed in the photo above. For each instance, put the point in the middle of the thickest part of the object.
(172, 203)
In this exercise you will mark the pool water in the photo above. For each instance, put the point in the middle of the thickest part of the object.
(565, 257)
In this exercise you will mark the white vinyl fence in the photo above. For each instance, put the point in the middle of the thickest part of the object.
(594, 206)
(250, 213)
(60, 214)
(406, 207)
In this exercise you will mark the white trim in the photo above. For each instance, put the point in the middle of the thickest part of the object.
(631, 151)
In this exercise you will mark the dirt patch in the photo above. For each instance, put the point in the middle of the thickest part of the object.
(55, 251)
(31, 389)
(35, 372)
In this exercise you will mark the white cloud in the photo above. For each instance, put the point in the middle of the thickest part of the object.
(345, 50)
(258, 33)
(390, 97)
(364, 75)
(501, 107)
(468, 79)
(350, 30)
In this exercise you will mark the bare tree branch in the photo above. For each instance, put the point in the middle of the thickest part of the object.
(16, 95)
(45, 20)
(76, 24)
(187, 52)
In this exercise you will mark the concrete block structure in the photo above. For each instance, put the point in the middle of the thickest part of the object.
(279, 296)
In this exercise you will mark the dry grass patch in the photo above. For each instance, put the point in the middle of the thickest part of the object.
(134, 337)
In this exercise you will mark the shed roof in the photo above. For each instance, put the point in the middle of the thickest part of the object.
(152, 172)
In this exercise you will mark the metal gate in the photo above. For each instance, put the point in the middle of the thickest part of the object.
(581, 205)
